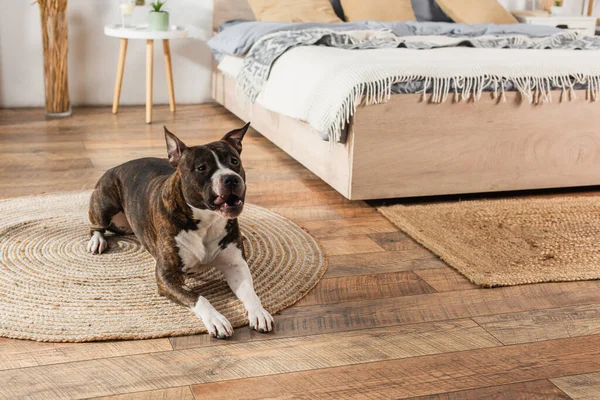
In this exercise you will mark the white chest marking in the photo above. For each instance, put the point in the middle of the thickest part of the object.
(199, 248)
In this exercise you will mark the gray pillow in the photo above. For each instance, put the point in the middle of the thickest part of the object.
(428, 10)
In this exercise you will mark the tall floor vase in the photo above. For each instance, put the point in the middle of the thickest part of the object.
(53, 15)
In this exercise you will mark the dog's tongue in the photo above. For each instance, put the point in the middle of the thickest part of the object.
(220, 200)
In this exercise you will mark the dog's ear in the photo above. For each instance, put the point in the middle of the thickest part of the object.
(235, 137)
(175, 147)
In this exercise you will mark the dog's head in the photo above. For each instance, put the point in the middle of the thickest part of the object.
(212, 176)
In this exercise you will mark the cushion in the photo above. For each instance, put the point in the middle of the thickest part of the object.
(476, 11)
(293, 10)
(378, 10)
(429, 11)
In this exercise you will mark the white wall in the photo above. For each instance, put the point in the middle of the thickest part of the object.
(93, 56)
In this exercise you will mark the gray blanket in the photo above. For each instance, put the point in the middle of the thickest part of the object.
(235, 38)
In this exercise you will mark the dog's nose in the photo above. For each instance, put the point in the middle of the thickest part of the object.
(231, 180)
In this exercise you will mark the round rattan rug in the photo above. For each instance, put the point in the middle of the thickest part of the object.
(51, 289)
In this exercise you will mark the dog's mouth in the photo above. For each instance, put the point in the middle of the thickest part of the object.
(228, 200)
(228, 204)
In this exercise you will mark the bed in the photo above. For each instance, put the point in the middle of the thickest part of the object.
(433, 149)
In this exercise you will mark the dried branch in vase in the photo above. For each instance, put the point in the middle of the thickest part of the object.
(53, 14)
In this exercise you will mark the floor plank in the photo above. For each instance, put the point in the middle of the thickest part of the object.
(420, 376)
(394, 241)
(533, 390)
(112, 376)
(365, 287)
(24, 353)
(178, 393)
(446, 279)
(368, 314)
(76, 164)
(39, 147)
(356, 209)
(388, 261)
(295, 186)
(298, 199)
(349, 226)
(435, 307)
(313, 213)
(333, 246)
(537, 325)
(580, 387)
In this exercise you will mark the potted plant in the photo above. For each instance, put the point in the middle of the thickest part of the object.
(557, 8)
(158, 19)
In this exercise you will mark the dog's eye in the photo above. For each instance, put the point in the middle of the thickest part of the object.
(201, 168)
(235, 161)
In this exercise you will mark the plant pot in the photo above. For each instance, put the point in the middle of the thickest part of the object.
(558, 10)
(158, 21)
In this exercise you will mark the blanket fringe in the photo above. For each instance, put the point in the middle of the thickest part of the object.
(536, 90)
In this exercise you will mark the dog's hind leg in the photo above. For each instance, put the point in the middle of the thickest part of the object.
(104, 205)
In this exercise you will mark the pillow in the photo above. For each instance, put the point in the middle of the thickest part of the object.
(429, 11)
(378, 10)
(476, 11)
(293, 10)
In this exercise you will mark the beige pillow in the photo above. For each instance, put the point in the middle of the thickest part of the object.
(476, 11)
(378, 10)
(293, 10)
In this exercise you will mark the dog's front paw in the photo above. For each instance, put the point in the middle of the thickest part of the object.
(217, 325)
(260, 320)
(97, 243)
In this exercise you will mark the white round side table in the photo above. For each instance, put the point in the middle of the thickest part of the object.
(142, 32)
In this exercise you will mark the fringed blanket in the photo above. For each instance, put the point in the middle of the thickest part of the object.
(310, 75)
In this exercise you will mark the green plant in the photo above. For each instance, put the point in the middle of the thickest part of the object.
(157, 6)
(558, 3)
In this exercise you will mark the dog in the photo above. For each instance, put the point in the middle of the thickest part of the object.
(184, 211)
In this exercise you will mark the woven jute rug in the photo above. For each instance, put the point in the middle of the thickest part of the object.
(509, 242)
(51, 289)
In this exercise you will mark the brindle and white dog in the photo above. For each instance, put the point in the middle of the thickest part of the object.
(184, 211)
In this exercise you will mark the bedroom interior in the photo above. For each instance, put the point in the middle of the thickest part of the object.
(421, 213)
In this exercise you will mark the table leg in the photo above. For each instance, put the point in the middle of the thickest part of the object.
(149, 72)
(169, 69)
(119, 81)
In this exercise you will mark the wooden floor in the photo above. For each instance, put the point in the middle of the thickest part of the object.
(389, 320)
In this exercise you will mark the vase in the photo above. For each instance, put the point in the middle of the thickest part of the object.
(158, 21)
(55, 46)
(558, 10)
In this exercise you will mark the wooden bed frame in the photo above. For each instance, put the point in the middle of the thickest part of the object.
(408, 147)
